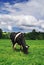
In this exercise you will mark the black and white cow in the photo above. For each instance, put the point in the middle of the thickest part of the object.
(19, 39)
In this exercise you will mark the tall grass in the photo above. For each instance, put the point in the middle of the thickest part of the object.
(8, 56)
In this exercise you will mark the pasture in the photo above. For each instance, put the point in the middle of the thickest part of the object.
(8, 56)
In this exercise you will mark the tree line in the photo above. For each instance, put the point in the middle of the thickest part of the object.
(34, 35)
(29, 36)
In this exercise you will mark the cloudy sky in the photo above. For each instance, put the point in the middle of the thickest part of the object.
(22, 15)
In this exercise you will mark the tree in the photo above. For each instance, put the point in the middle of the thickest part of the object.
(33, 35)
(0, 33)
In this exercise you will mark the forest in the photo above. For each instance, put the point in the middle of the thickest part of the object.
(28, 36)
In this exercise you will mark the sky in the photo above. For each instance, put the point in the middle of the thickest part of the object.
(22, 15)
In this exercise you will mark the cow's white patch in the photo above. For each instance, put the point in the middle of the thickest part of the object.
(26, 46)
(17, 35)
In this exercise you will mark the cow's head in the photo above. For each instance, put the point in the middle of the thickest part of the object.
(25, 49)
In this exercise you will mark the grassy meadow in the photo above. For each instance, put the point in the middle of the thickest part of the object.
(8, 56)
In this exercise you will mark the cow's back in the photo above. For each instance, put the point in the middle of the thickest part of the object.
(12, 35)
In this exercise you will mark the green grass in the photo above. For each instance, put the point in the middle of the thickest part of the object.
(10, 57)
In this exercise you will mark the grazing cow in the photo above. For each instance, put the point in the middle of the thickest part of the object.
(19, 39)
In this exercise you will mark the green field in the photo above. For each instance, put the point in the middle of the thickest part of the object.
(8, 56)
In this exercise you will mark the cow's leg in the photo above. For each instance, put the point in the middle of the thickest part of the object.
(15, 45)
(21, 48)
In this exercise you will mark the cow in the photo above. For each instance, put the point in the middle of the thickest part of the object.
(18, 38)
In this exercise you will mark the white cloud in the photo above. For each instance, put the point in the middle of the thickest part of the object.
(3, 23)
(29, 15)
(33, 7)
(9, 27)
(25, 22)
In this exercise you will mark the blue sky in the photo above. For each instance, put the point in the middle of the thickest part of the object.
(22, 15)
(11, 1)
